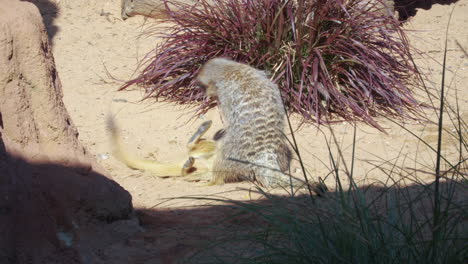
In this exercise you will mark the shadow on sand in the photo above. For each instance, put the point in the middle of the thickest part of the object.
(49, 12)
(177, 233)
(43, 207)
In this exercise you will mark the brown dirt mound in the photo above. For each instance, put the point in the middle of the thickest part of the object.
(50, 187)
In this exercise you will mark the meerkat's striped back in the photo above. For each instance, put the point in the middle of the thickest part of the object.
(254, 145)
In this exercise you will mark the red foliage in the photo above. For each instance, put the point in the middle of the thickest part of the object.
(332, 59)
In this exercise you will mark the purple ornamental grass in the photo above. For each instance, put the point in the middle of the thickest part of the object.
(333, 60)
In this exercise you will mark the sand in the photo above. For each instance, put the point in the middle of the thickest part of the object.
(95, 51)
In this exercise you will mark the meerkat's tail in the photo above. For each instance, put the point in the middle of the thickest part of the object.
(154, 167)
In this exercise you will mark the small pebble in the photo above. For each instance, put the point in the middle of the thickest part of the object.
(120, 100)
(66, 238)
(103, 156)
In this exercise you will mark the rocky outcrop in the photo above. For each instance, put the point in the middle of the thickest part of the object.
(149, 8)
(50, 187)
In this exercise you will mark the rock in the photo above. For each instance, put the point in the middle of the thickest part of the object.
(149, 8)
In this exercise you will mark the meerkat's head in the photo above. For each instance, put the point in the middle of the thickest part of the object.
(212, 72)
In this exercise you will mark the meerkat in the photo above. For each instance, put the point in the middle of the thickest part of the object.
(254, 146)
(198, 149)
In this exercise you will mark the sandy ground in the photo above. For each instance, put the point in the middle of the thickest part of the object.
(89, 39)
